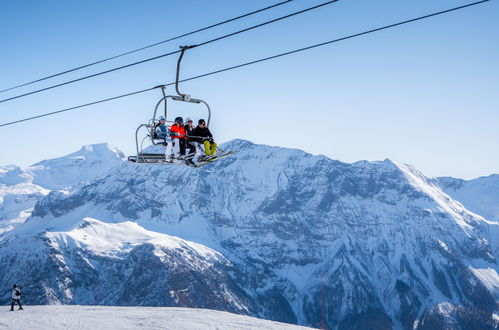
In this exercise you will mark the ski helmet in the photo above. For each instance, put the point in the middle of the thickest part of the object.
(188, 119)
(200, 121)
(161, 118)
(179, 120)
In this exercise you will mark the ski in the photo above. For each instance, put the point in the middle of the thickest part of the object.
(212, 159)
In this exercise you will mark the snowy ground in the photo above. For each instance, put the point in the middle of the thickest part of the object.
(109, 318)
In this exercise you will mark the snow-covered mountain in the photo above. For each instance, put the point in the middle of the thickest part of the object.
(480, 195)
(274, 229)
(91, 262)
(22, 187)
(84, 165)
(144, 318)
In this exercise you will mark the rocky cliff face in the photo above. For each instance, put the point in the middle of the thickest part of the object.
(384, 245)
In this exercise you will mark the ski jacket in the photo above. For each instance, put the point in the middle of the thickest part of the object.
(14, 293)
(162, 131)
(203, 132)
(180, 130)
(189, 132)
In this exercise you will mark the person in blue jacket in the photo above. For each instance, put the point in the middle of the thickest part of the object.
(163, 133)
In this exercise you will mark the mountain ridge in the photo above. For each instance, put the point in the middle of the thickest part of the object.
(479, 195)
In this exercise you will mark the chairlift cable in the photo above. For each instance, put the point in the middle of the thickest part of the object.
(148, 46)
(170, 53)
(77, 107)
(250, 63)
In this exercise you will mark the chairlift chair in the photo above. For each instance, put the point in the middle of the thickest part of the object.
(154, 157)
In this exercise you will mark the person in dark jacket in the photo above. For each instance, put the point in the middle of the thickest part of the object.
(204, 134)
(16, 297)
(190, 142)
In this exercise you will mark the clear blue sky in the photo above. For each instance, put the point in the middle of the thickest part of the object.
(424, 94)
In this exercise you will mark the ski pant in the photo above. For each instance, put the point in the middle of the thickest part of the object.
(179, 146)
(169, 146)
(191, 145)
(210, 148)
(18, 301)
(199, 148)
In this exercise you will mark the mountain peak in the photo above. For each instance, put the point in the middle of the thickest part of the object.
(100, 149)
(238, 144)
(86, 164)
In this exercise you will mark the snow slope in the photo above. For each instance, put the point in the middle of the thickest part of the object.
(392, 249)
(17, 202)
(480, 195)
(144, 318)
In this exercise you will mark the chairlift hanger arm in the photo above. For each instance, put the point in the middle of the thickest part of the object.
(163, 88)
(182, 51)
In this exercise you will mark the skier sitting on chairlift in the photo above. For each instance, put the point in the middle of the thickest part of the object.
(203, 133)
(163, 132)
(178, 137)
(190, 142)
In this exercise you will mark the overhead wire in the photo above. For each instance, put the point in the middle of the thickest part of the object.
(77, 107)
(149, 46)
(255, 61)
(171, 53)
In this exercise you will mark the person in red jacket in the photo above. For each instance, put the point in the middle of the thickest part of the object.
(178, 137)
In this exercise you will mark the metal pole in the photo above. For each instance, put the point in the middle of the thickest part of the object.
(164, 97)
(183, 49)
(323, 309)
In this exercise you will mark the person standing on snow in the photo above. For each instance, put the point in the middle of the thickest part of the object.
(16, 297)
(203, 132)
